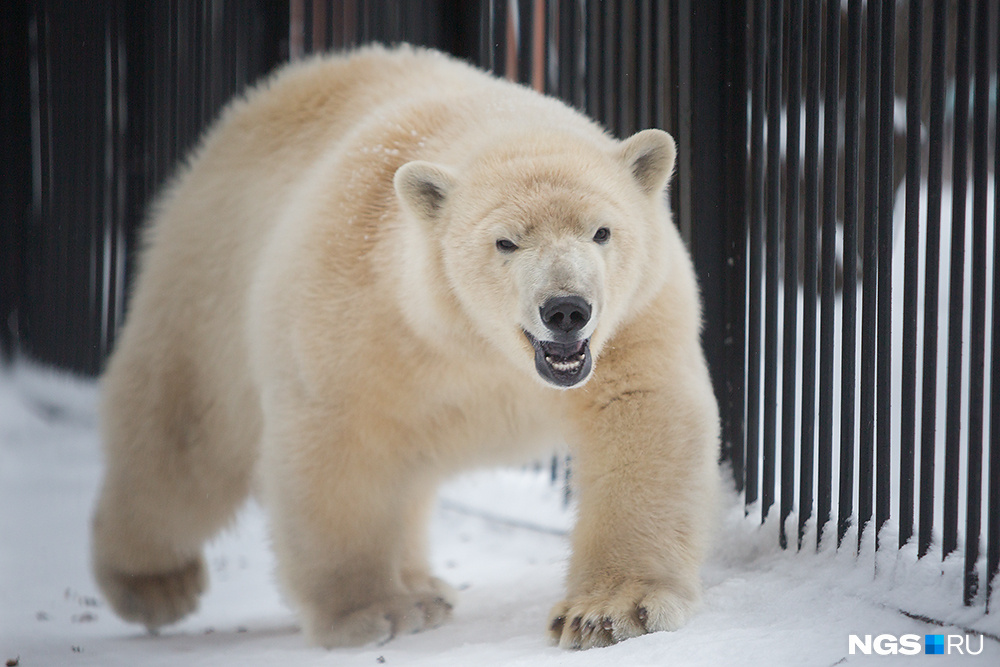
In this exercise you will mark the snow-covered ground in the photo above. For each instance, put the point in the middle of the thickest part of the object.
(499, 536)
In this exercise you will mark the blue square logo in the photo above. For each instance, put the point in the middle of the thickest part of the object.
(934, 644)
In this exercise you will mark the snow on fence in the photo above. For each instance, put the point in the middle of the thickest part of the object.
(847, 263)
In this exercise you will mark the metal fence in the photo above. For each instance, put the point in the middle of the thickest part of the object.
(854, 365)
(872, 362)
(100, 100)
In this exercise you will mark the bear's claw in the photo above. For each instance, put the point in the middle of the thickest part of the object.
(628, 611)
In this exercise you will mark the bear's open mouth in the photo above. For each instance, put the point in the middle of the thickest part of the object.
(562, 364)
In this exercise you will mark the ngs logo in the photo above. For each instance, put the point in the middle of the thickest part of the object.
(910, 645)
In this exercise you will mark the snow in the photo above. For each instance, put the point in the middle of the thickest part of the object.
(500, 536)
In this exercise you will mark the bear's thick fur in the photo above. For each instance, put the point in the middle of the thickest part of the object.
(378, 270)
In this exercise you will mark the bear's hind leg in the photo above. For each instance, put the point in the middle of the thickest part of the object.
(171, 483)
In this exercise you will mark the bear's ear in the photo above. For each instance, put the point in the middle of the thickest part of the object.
(650, 155)
(423, 187)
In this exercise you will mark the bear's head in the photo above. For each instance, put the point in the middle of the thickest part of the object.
(547, 242)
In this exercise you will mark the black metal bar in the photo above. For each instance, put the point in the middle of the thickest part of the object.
(115, 206)
(849, 329)
(563, 44)
(43, 186)
(883, 336)
(911, 250)
(993, 507)
(959, 178)
(15, 178)
(205, 62)
(554, 48)
(771, 248)
(139, 166)
(525, 39)
(198, 86)
(756, 251)
(183, 82)
(928, 392)
(393, 30)
(365, 23)
(401, 25)
(579, 62)
(352, 23)
(810, 226)
(593, 79)
(174, 139)
(647, 71)
(337, 28)
(831, 136)
(793, 125)
(332, 24)
(220, 55)
(454, 26)
(89, 205)
(609, 81)
(333, 17)
(683, 53)
(667, 40)
(869, 259)
(627, 70)
(977, 343)
(487, 35)
(734, 266)
(307, 25)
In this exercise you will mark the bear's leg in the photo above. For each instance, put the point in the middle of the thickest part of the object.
(349, 533)
(172, 481)
(648, 481)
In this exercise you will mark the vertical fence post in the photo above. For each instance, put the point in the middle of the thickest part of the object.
(977, 346)
(869, 260)
(15, 178)
(852, 104)
(935, 162)
(883, 270)
(993, 504)
(831, 137)
(793, 124)
(775, 58)
(756, 250)
(810, 279)
(732, 386)
(908, 403)
(959, 179)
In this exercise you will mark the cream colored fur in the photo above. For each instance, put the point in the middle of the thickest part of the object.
(321, 303)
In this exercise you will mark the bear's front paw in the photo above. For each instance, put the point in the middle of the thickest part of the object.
(380, 621)
(628, 610)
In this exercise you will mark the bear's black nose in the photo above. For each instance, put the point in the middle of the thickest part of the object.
(565, 314)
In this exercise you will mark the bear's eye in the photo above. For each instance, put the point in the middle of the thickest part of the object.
(602, 235)
(506, 245)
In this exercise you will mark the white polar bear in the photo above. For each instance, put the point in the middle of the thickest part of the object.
(378, 270)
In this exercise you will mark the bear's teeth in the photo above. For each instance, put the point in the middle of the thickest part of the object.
(566, 366)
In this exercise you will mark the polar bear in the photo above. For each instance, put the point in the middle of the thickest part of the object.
(379, 269)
